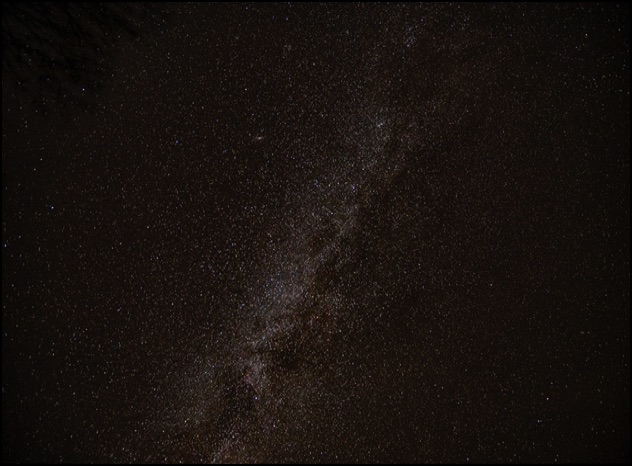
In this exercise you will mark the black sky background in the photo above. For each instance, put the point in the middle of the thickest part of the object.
(324, 233)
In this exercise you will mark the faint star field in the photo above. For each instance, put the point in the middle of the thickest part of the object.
(274, 233)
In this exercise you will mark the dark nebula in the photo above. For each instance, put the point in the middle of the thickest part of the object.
(316, 233)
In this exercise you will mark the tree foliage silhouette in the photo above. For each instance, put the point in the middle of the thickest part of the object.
(51, 50)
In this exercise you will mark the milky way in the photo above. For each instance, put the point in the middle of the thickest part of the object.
(316, 233)
(287, 318)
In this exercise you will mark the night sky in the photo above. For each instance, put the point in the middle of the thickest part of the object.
(316, 233)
